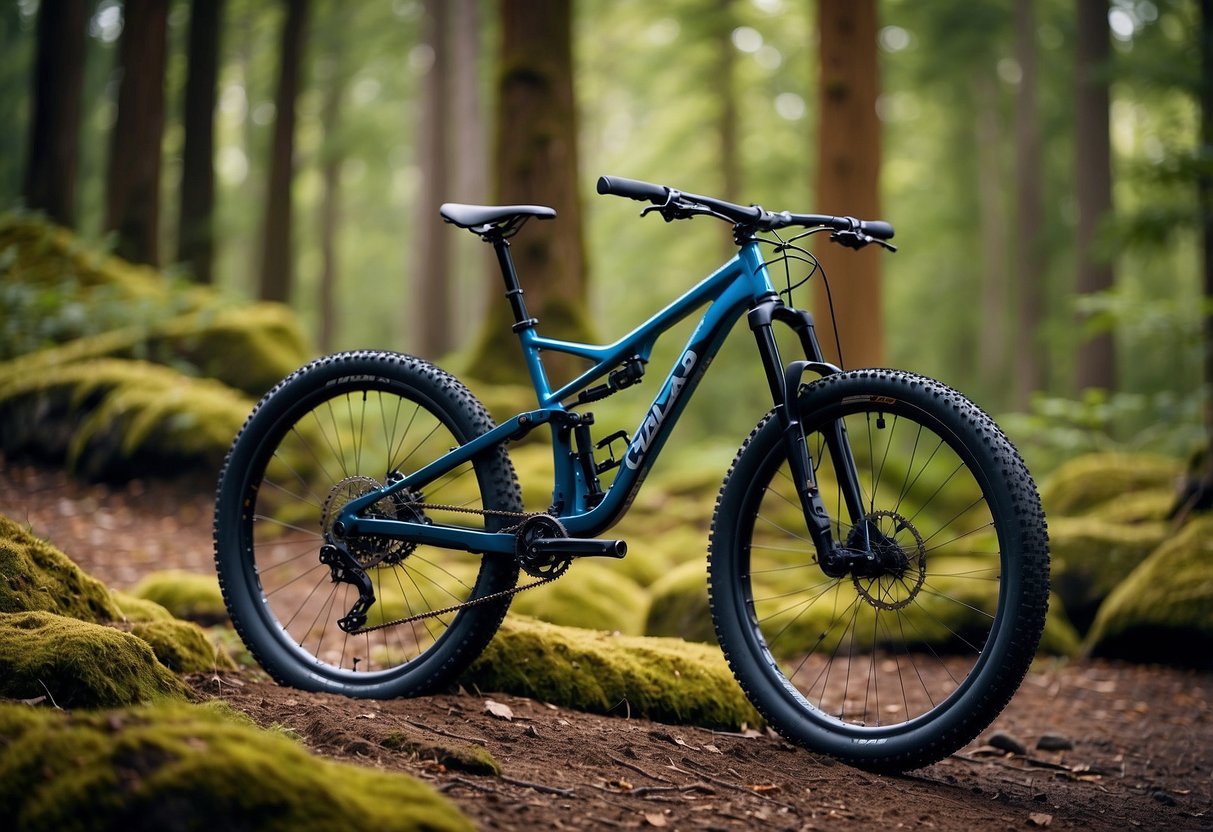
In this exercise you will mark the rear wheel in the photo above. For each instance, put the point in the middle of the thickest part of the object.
(331, 432)
(899, 663)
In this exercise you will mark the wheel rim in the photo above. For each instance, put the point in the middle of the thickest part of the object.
(324, 451)
(875, 655)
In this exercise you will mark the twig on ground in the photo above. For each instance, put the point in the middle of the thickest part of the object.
(638, 769)
(539, 787)
(451, 734)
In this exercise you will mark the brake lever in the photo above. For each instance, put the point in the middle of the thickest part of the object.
(857, 240)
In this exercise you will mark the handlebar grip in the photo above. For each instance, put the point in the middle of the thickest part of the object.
(879, 229)
(633, 189)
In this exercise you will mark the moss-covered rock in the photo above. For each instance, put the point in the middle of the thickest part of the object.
(663, 679)
(1149, 506)
(678, 604)
(35, 576)
(184, 594)
(138, 610)
(1091, 556)
(1163, 611)
(591, 596)
(78, 664)
(182, 646)
(1092, 480)
(181, 766)
(114, 419)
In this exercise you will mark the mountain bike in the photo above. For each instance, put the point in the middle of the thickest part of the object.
(878, 560)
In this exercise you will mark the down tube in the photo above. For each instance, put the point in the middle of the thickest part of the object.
(658, 423)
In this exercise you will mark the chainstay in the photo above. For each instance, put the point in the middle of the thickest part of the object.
(475, 602)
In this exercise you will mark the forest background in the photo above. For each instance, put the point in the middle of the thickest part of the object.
(985, 142)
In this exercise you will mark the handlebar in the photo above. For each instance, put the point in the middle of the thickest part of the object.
(673, 204)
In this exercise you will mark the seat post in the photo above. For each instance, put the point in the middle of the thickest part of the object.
(513, 291)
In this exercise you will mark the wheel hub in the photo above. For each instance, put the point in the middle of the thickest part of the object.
(894, 568)
(372, 550)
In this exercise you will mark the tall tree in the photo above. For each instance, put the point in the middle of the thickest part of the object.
(725, 21)
(995, 275)
(195, 233)
(1029, 211)
(535, 155)
(332, 159)
(431, 301)
(848, 176)
(54, 134)
(133, 178)
(1093, 174)
(276, 260)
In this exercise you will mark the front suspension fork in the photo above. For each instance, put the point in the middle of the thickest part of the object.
(835, 560)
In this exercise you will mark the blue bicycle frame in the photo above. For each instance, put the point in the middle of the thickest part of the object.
(741, 284)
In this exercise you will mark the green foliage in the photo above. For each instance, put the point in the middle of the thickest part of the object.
(1163, 611)
(35, 576)
(184, 594)
(152, 767)
(78, 664)
(663, 679)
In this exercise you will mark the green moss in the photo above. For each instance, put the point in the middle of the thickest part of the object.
(184, 594)
(77, 663)
(591, 596)
(1163, 611)
(1149, 506)
(1091, 556)
(679, 604)
(138, 610)
(113, 418)
(474, 759)
(663, 679)
(35, 576)
(1090, 481)
(182, 646)
(180, 766)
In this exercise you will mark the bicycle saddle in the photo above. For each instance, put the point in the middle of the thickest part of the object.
(479, 217)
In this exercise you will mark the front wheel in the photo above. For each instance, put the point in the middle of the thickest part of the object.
(895, 666)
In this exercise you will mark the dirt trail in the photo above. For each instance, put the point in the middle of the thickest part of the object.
(1103, 746)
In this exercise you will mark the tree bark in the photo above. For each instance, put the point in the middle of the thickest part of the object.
(726, 62)
(1093, 174)
(1029, 211)
(431, 301)
(848, 178)
(330, 201)
(276, 259)
(195, 231)
(133, 179)
(535, 154)
(996, 279)
(54, 134)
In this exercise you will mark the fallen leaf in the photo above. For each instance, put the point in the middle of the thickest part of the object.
(498, 710)
(655, 818)
(685, 744)
(712, 748)
(764, 787)
(1040, 819)
(365, 716)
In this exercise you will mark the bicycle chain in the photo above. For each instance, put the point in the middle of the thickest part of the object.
(475, 602)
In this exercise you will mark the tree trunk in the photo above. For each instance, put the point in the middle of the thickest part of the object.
(430, 303)
(133, 180)
(848, 178)
(1029, 212)
(474, 261)
(1093, 174)
(195, 232)
(996, 279)
(726, 62)
(535, 154)
(330, 200)
(276, 265)
(54, 134)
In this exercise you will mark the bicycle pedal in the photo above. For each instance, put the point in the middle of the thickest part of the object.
(579, 547)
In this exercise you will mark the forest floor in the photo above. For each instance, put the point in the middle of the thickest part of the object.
(1139, 755)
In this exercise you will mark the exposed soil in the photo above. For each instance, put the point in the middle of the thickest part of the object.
(1139, 755)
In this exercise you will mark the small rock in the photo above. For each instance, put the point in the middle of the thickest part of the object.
(1054, 742)
(531, 732)
(1164, 798)
(1006, 742)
